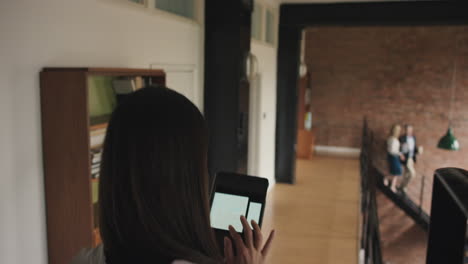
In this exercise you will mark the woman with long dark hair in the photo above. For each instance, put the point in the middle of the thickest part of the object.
(154, 189)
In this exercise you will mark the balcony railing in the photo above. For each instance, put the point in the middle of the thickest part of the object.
(371, 252)
(448, 235)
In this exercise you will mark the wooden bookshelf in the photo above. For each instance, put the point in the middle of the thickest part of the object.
(67, 126)
(305, 137)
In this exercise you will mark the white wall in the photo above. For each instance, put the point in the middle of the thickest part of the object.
(266, 55)
(34, 34)
(265, 82)
(99, 33)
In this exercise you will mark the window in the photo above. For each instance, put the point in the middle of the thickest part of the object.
(185, 8)
(257, 22)
(141, 2)
(264, 23)
(270, 27)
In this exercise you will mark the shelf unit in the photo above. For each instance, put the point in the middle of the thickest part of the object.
(305, 137)
(71, 192)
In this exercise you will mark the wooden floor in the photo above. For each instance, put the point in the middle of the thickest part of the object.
(316, 220)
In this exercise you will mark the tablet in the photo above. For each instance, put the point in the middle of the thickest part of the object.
(234, 195)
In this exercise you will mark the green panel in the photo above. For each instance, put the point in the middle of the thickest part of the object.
(101, 96)
(185, 8)
(270, 27)
(257, 22)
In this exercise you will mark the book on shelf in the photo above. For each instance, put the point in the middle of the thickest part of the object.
(123, 85)
(95, 175)
(95, 170)
(139, 82)
(96, 141)
(96, 159)
(126, 85)
(95, 155)
(96, 152)
(97, 137)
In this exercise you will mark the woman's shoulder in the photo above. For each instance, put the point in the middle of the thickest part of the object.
(96, 256)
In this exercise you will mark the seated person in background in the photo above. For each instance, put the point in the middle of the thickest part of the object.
(394, 156)
(410, 151)
(154, 193)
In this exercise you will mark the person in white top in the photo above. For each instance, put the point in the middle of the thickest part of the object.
(410, 150)
(154, 189)
(394, 157)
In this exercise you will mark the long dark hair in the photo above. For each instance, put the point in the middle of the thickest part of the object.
(154, 190)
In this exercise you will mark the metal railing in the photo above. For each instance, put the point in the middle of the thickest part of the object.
(448, 231)
(371, 252)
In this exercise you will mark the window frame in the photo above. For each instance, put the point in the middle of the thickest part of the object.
(263, 27)
(274, 26)
(196, 12)
(149, 6)
(144, 3)
(262, 22)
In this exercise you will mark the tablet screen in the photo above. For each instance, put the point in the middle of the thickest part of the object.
(227, 208)
(255, 210)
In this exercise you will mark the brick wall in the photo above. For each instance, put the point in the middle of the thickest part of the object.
(390, 75)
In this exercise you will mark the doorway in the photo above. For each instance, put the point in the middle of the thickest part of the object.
(295, 17)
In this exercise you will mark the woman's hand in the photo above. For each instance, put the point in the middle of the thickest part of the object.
(252, 250)
(402, 157)
(420, 150)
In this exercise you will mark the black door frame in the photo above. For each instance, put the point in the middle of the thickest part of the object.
(227, 41)
(295, 17)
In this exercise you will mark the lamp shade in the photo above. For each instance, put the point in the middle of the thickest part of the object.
(449, 141)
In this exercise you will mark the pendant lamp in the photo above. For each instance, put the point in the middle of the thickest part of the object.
(449, 141)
